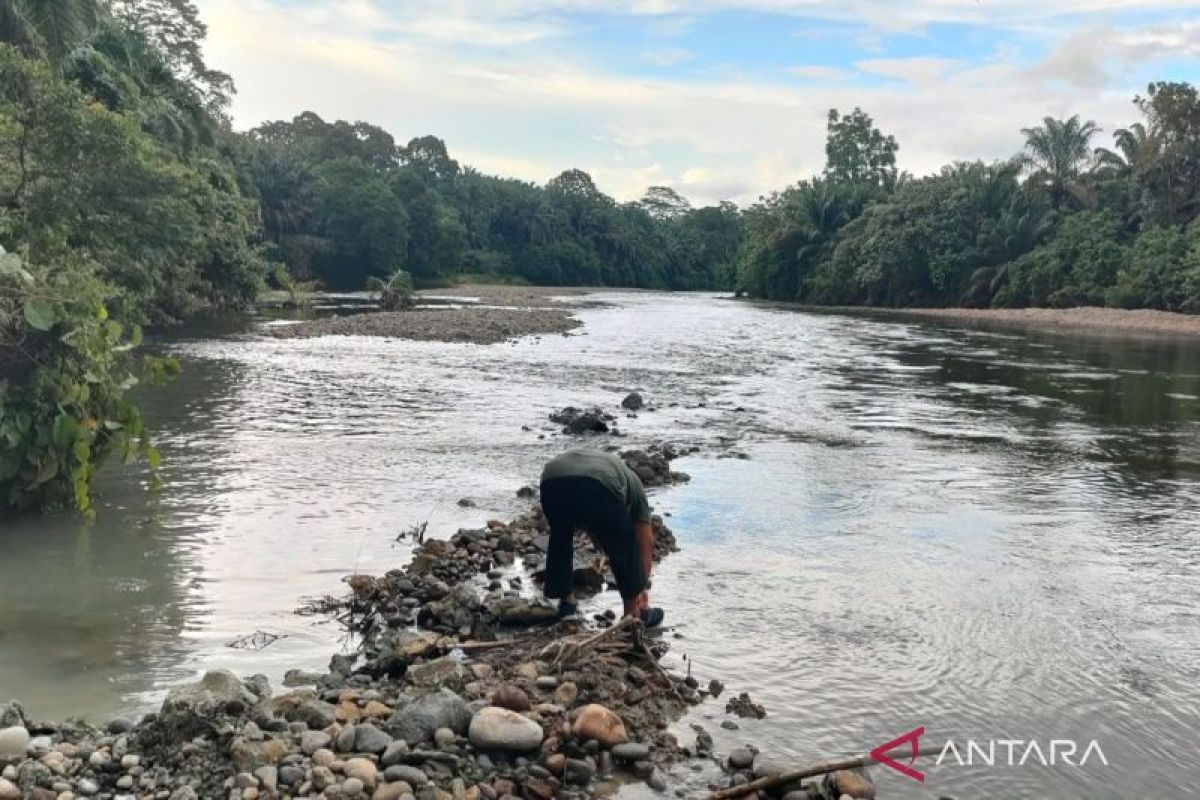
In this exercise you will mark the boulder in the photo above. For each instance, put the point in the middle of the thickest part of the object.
(594, 721)
(633, 402)
(495, 728)
(197, 708)
(417, 721)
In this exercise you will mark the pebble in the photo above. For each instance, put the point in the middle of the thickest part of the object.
(345, 739)
(444, 738)
(394, 753)
(742, 758)
(597, 722)
(352, 786)
(393, 791)
(323, 757)
(312, 741)
(87, 787)
(631, 751)
(291, 775)
(578, 771)
(14, 742)
(362, 769)
(410, 775)
(9, 790)
(369, 739)
(546, 683)
(656, 781)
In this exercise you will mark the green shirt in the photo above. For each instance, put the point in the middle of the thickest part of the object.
(609, 470)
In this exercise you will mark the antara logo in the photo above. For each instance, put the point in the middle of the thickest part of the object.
(990, 753)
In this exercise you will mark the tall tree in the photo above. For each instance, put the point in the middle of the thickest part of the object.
(858, 152)
(663, 202)
(1057, 153)
(50, 28)
(1171, 182)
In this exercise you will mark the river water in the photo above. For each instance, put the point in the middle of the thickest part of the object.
(991, 534)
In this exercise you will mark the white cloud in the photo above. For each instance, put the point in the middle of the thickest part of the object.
(530, 112)
(1094, 57)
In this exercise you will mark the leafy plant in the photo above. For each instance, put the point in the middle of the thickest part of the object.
(394, 293)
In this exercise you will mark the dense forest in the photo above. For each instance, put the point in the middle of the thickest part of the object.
(126, 199)
(1064, 223)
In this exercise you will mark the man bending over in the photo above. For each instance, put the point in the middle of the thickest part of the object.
(597, 492)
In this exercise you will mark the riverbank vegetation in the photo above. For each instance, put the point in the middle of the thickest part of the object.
(1064, 223)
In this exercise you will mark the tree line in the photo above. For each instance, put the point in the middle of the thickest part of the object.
(1063, 223)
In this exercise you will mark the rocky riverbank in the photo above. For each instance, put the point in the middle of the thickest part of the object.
(465, 685)
(482, 325)
(1116, 321)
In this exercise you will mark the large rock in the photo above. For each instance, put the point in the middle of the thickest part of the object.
(459, 609)
(14, 742)
(495, 728)
(197, 708)
(633, 402)
(417, 721)
(597, 722)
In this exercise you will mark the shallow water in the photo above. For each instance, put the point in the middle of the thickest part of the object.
(990, 534)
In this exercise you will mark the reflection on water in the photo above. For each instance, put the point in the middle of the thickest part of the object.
(993, 535)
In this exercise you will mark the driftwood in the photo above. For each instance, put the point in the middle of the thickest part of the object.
(781, 778)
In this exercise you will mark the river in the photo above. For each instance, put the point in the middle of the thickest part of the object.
(991, 534)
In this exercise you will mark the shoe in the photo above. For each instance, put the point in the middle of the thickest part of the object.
(652, 617)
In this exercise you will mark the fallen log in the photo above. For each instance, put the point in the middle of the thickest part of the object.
(781, 778)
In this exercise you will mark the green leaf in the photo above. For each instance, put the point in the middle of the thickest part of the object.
(40, 314)
(66, 429)
(153, 457)
(12, 266)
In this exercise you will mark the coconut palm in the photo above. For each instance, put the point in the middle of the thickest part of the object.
(1057, 153)
(1137, 147)
(51, 28)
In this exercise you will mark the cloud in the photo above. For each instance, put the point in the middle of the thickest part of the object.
(819, 72)
(1094, 57)
(531, 111)
(667, 56)
(918, 70)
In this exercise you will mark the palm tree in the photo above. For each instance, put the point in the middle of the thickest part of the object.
(1136, 149)
(50, 28)
(1057, 152)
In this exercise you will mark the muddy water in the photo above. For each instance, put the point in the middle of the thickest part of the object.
(993, 535)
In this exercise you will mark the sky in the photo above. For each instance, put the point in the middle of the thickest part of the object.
(719, 99)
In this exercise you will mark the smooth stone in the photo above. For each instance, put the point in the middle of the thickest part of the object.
(546, 683)
(410, 775)
(291, 775)
(656, 781)
(369, 739)
(312, 741)
(578, 771)
(9, 790)
(13, 742)
(444, 738)
(87, 787)
(597, 722)
(742, 758)
(344, 743)
(323, 757)
(495, 728)
(392, 791)
(268, 777)
(394, 754)
(362, 769)
(352, 786)
(441, 709)
(631, 751)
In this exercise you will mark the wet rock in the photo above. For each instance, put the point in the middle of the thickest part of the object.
(653, 467)
(14, 742)
(633, 402)
(657, 781)
(597, 722)
(299, 677)
(579, 421)
(495, 728)
(742, 758)
(631, 751)
(457, 610)
(120, 725)
(440, 709)
(527, 491)
(511, 697)
(369, 739)
(715, 687)
(743, 706)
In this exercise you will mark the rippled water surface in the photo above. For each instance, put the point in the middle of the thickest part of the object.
(991, 534)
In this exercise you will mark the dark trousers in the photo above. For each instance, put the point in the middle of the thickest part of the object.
(571, 503)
